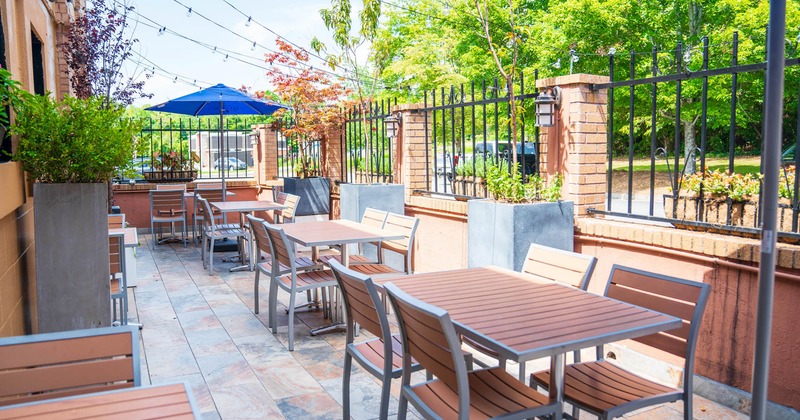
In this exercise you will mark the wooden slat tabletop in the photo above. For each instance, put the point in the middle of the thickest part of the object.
(525, 318)
(173, 401)
(246, 206)
(130, 239)
(336, 232)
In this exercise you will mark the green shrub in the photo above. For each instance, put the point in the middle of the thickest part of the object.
(505, 185)
(77, 140)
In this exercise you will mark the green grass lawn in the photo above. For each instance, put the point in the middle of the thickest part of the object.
(742, 165)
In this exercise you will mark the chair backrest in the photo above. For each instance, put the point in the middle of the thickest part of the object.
(290, 201)
(203, 203)
(116, 221)
(362, 304)
(281, 248)
(374, 217)
(208, 186)
(210, 194)
(407, 226)
(170, 187)
(116, 253)
(568, 267)
(52, 365)
(259, 233)
(165, 201)
(430, 337)
(680, 298)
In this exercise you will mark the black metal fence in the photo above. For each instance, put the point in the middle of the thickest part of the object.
(469, 131)
(182, 149)
(697, 120)
(366, 148)
(289, 154)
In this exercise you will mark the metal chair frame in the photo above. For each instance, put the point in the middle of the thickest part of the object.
(212, 231)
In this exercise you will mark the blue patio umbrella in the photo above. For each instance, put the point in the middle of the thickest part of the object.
(218, 100)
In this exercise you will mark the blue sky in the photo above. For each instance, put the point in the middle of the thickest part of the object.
(169, 55)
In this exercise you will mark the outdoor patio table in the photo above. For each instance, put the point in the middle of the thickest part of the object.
(242, 207)
(335, 232)
(151, 402)
(525, 319)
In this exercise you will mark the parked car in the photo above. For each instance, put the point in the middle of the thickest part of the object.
(528, 157)
(787, 157)
(445, 164)
(229, 163)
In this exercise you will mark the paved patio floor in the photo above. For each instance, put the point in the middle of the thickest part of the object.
(201, 329)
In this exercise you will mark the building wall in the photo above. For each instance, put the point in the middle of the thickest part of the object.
(17, 246)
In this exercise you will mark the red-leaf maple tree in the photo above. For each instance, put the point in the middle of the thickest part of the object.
(316, 99)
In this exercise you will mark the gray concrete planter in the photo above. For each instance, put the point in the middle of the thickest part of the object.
(315, 194)
(71, 233)
(354, 200)
(501, 233)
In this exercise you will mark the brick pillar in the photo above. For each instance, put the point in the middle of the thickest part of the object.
(64, 13)
(265, 154)
(409, 153)
(331, 160)
(577, 146)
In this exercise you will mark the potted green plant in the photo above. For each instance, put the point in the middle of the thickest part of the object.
(500, 229)
(173, 165)
(71, 149)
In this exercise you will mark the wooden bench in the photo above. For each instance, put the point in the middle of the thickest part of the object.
(52, 365)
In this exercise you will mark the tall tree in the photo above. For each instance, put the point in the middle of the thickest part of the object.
(98, 46)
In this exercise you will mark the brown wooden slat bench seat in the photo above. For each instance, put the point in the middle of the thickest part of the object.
(52, 365)
(172, 401)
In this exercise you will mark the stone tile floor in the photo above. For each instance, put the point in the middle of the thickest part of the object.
(201, 329)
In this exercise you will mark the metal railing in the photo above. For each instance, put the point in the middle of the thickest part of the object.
(181, 149)
(663, 114)
(366, 149)
(468, 131)
(289, 156)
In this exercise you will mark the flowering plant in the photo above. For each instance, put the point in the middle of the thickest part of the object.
(737, 187)
(169, 159)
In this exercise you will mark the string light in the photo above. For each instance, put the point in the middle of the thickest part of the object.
(189, 12)
(225, 59)
(249, 19)
(253, 48)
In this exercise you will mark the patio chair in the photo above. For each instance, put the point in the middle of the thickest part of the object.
(286, 215)
(430, 337)
(405, 225)
(118, 280)
(167, 206)
(378, 356)
(116, 221)
(608, 390)
(372, 217)
(258, 233)
(282, 251)
(211, 232)
(549, 264)
(199, 214)
(60, 364)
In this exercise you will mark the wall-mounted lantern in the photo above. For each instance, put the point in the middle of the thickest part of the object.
(546, 103)
(392, 123)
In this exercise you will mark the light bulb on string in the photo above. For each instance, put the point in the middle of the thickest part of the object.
(253, 48)
(249, 19)
(175, 80)
(189, 12)
(226, 58)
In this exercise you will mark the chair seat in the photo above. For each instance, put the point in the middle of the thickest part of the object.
(604, 387)
(353, 259)
(227, 230)
(167, 218)
(493, 392)
(301, 264)
(309, 280)
(372, 352)
(375, 269)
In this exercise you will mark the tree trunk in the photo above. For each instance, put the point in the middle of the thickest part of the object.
(690, 143)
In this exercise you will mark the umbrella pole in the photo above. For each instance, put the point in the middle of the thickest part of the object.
(769, 191)
(222, 152)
